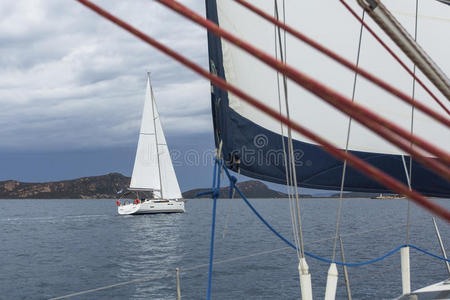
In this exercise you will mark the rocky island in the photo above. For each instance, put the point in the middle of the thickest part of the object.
(110, 186)
(104, 186)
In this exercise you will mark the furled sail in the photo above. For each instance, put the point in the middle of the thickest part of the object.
(255, 140)
(445, 1)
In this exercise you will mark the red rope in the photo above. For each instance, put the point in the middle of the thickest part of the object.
(357, 111)
(394, 56)
(443, 119)
(359, 164)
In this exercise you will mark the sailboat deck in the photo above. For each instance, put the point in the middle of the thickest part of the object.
(440, 290)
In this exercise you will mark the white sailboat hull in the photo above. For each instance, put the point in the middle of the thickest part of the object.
(440, 290)
(151, 207)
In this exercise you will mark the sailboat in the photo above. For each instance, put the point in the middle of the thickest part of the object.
(153, 181)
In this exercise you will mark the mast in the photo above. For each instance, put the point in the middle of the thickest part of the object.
(389, 24)
(156, 135)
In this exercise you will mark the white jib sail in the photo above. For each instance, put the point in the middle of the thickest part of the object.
(169, 183)
(145, 172)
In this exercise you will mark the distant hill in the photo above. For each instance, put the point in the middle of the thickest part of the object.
(251, 189)
(105, 186)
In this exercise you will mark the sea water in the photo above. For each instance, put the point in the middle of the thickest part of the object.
(52, 248)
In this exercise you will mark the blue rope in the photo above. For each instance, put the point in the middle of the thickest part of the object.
(429, 253)
(215, 195)
(233, 181)
(204, 193)
(349, 264)
(354, 264)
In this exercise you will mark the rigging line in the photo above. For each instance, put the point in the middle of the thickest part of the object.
(291, 158)
(344, 168)
(154, 108)
(216, 192)
(348, 64)
(147, 278)
(408, 213)
(354, 161)
(283, 144)
(375, 122)
(291, 145)
(227, 219)
(408, 179)
(405, 13)
(395, 56)
(408, 217)
(399, 35)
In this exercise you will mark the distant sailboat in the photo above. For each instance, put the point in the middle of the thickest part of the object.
(153, 172)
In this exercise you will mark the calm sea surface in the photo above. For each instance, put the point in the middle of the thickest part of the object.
(51, 248)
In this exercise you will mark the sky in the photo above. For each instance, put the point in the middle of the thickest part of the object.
(72, 89)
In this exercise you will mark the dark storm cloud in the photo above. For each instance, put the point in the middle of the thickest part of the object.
(72, 80)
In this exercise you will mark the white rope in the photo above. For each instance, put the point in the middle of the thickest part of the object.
(408, 179)
(288, 174)
(293, 173)
(434, 18)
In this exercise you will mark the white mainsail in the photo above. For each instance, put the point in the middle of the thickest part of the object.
(153, 169)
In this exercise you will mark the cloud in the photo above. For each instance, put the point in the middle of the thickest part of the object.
(72, 80)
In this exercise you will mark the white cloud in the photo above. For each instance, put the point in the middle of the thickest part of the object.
(70, 79)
